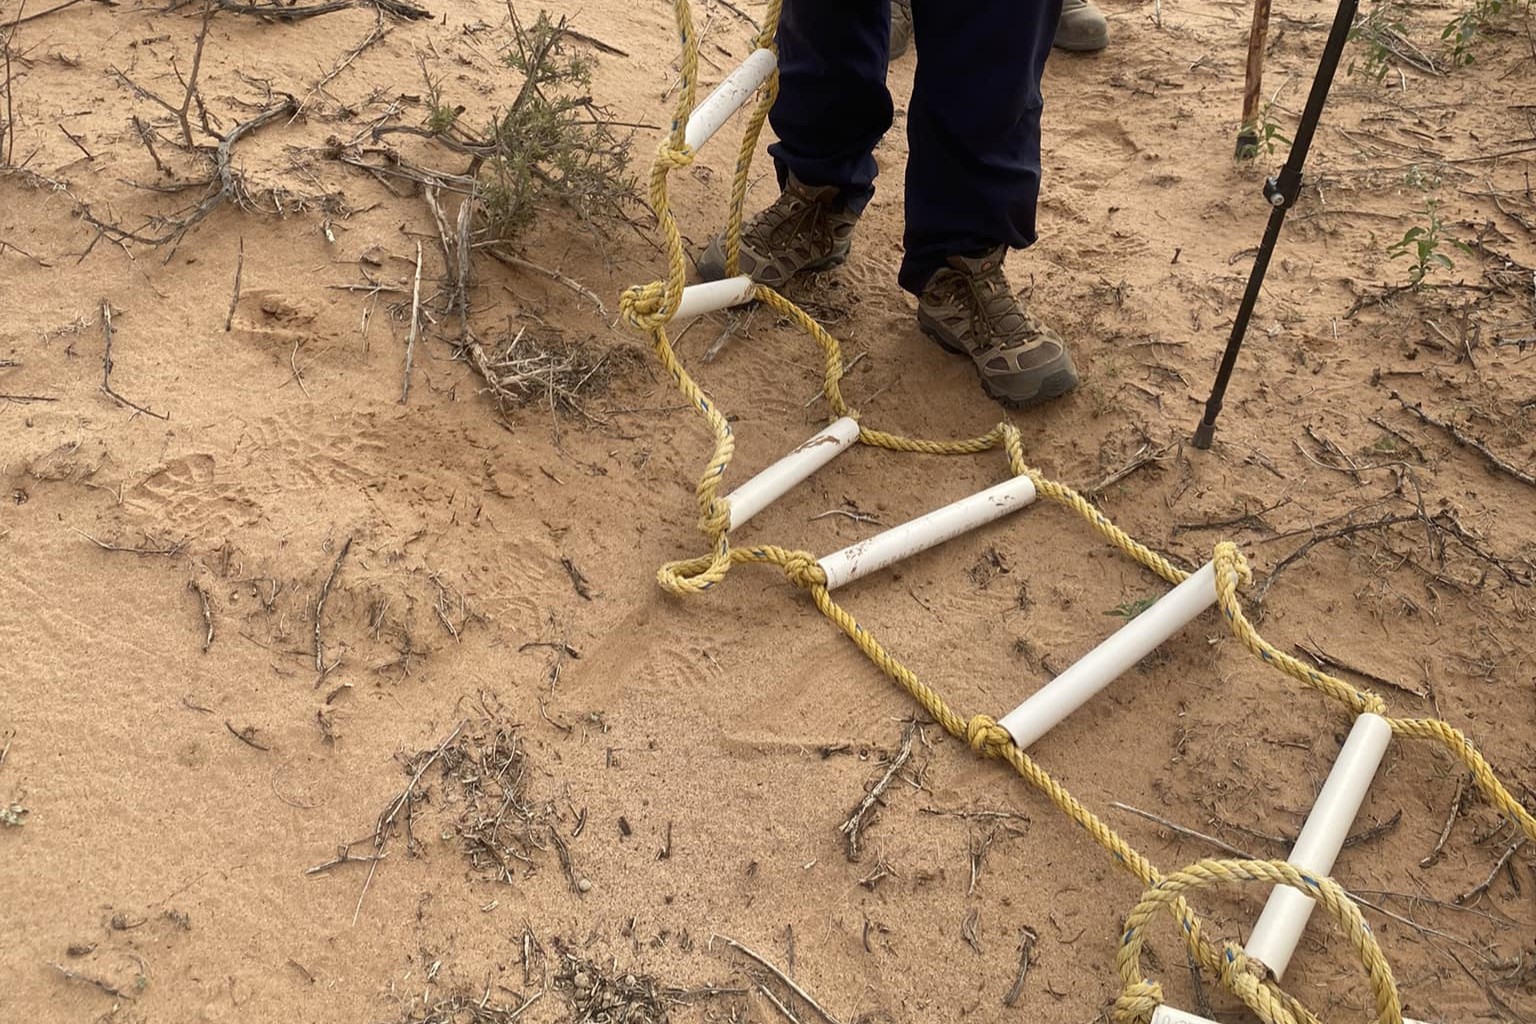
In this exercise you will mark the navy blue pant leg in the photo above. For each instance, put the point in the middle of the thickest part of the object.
(833, 106)
(973, 128)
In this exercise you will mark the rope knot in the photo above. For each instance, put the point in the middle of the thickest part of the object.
(986, 737)
(1238, 968)
(1228, 555)
(716, 518)
(674, 157)
(641, 306)
(1138, 1002)
(802, 570)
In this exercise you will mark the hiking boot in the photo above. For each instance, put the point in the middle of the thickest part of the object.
(805, 229)
(1082, 27)
(968, 308)
(901, 27)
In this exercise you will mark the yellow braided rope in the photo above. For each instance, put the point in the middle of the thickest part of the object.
(650, 307)
(1240, 973)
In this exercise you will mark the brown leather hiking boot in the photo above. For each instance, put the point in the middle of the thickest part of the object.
(968, 308)
(803, 230)
(901, 27)
(1082, 27)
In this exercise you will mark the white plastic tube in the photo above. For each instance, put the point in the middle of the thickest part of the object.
(1166, 1014)
(793, 469)
(1054, 701)
(727, 98)
(875, 553)
(710, 296)
(1279, 928)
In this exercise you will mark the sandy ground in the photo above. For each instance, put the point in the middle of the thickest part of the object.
(681, 770)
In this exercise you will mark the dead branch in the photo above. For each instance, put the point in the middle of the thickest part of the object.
(497, 250)
(197, 62)
(1325, 660)
(1027, 940)
(1183, 831)
(79, 143)
(173, 549)
(1450, 823)
(1145, 456)
(787, 981)
(106, 366)
(246, 735)
(225, 184)
(8, 135)
(410, 338)
(386, 821)
(20, 20)
(398, 8)
(1466, 440)
(1482, 887)
(375, 35)
(207, 609)
(234, 298)
(1318, 538)
(106, 986)
(853, 828)
(325, 592)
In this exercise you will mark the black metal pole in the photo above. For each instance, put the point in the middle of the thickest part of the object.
(1282, 192)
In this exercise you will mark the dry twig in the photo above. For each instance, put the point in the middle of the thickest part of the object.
(1027, 939)
(234, 298)
(1466, 440)
(787, 981)
(410, 338)
(207, 609)
(106, 366)
(325, 592)
(1183, 831)
(1482, 887)
(1450, 823)
(853, 828)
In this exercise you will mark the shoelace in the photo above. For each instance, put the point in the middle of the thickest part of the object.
(997, 284)
(791, 215)
(981, 297)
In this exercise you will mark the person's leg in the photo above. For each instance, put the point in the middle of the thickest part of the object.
(973, 127)
(1081, 27)
(833, 106)
(973, 178)
(832, 109)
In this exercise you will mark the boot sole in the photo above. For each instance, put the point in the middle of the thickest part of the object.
(712, 270)
(1060, 378)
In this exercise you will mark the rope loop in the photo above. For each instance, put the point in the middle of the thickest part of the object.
(1243, 976)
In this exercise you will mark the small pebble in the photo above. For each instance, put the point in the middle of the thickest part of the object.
(583, 886)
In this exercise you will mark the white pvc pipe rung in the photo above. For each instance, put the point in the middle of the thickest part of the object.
(1280, 926)
(793, 469)
(710, 296)
(1166, 1014)
(728, 97)
(1054, 701)
(875, 553)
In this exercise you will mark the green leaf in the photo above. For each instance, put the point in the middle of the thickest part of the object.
(1130, 609)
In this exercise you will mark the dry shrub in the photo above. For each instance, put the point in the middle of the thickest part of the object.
(543, 366)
